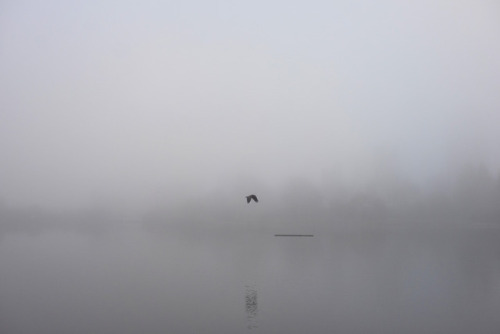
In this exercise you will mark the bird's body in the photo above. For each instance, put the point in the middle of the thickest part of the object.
(252, 197)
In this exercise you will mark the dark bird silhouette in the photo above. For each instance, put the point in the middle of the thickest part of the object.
(252, 197)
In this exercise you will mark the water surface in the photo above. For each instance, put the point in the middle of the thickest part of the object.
(135, 278)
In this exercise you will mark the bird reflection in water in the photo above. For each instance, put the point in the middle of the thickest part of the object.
(251, 306)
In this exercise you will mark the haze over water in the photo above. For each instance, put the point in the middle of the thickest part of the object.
(130, 134)
(130, 105)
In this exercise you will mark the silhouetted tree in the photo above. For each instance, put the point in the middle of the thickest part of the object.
(475, 194)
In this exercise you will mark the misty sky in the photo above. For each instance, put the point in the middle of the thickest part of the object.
(132, 101)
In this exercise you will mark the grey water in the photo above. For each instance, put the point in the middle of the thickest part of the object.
(139, 278)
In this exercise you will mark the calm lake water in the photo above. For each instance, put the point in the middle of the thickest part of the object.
(130, 278)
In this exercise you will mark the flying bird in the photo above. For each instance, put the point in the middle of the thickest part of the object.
(252, 197)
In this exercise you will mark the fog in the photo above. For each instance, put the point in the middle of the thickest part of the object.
(130, 134)
(127, 105)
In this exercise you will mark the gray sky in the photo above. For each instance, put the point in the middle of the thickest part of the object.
(130, 101)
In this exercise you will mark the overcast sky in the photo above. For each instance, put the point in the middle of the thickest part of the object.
(131, 100)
